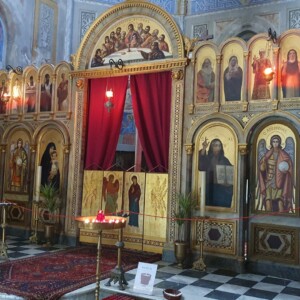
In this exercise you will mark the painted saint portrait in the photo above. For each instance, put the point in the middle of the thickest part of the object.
(16, 99)
(111, 191)
(46, 94)
(91, 194)
(155, 218)
(134, 197)
(275, 189)
(62, 92)
(290, 75)
(219, 173)
(50, 166)
(97, 60)
(18, 166)
(206, 78)
(3, 91)
(30, 94)
(51, 157)
(216, 160)
(261, 86)
(233, 78)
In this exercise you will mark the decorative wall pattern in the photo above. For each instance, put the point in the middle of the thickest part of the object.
(168, 5)
(87, 18)
(277, 243)
(198, 30)
(294, 19)
(205, 6)
(45, 35)
(219, 236)
(44, 43)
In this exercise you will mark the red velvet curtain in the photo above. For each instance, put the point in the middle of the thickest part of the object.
(103, 125)
(151, 101)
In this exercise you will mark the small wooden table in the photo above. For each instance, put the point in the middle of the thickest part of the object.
(110, 222)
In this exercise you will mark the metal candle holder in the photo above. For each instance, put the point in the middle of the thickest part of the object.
(33, 238)
(3, 245)
(110, 222)
(199, 264)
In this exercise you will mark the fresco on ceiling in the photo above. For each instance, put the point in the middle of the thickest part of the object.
(205, 6)
(132, 40)
(168, 5)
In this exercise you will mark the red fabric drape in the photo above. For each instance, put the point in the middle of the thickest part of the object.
(151, 101)
(104, 126)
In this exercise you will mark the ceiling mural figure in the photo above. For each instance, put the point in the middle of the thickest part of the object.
(132, 40)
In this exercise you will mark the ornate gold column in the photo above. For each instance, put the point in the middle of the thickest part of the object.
(175, 171)
(246, 93)
(242, 237)
(275, 93)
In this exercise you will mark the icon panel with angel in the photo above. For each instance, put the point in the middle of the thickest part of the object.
(275, 170)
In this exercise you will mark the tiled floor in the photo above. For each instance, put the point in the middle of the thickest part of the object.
(212, 284)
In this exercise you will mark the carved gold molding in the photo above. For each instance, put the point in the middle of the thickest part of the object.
(189, 44)
(80, 84)
(33, 148)
(177, 74)
(275, 104)
(243, 149)
(131, 70)
(191, 108)
(189, 149)
(66, 149)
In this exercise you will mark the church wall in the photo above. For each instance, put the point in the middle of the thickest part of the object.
(247, 230)
(229, 240)
(258, 18)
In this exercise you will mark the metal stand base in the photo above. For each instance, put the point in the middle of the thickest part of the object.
(199, 264)
(117, 275)
(34, 238)
(3, 245)
(3, 250)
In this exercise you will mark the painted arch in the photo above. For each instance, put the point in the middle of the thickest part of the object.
(130, 12)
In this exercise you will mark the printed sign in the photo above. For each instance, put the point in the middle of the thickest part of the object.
(144, 278)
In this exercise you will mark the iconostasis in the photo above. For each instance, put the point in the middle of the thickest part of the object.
(244, 127)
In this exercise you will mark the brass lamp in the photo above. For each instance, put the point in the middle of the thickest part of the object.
(269, 74)
(109, 104)
(5, 97)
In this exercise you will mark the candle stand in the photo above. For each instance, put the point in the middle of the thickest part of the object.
(117, 274)
(3, 246)
(33, 238)
(110, 222)
(199, 264)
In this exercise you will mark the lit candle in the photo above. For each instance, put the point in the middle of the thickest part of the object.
(203, 189)
(38, 183)
(100, 216)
